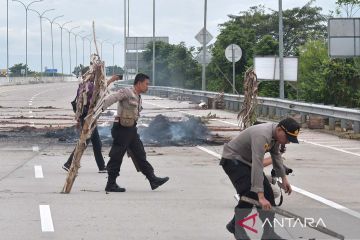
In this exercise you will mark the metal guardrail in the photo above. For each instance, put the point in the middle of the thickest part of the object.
(272, 106)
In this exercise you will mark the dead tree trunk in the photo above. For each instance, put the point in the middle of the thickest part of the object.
(247, 114)
(95, 74)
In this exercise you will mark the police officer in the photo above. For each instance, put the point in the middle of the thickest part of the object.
(242, 161)
(88, 88)
(125, 136)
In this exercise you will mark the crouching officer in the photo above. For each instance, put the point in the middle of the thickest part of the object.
(125, 136)
(242, 161)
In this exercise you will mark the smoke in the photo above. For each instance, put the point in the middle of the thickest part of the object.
(162, 131)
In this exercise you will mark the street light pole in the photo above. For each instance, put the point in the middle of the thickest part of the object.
(153, 57)
(113, 47)
(281, 52)
(90, 41)
(76, 53)
(70, 31)
(125, 41)
(41, 16)
(7, 39)
(83, 46)
(101, 44)
(52, 40)
(203, 85)
(26, 13)
(61, 44)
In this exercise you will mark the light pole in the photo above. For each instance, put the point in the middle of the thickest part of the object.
(61, 44)
(41, 15)
(83, 46)
(26, 13)
(281, 52)
(76, 53)
(90, 41)
(113, 53)
(125, 41)
(203, 85)
(70, 31)
(7, 39)
(153, 60)
(101, 44)
(52, 40)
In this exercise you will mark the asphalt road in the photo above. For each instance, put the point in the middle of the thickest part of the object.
(196, 203)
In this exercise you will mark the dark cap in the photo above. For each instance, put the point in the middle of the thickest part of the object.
(291, 128)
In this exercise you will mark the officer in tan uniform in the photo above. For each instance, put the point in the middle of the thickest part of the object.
(242, 161)
(125, 136)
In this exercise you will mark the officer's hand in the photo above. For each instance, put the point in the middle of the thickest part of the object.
(286, 185)
(265, 204)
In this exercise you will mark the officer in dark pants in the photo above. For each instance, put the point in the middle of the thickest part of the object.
(125, 136)
(242, 161)
(96, 144)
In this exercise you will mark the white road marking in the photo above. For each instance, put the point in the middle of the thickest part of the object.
(38, 172)
(303, 192)
(35, 148)
(30, 112)
(32, 124)
(332, 148)
(31, 116)
(46, 220)
(30, 104)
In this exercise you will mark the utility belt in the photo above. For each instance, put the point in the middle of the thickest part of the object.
(126, 122)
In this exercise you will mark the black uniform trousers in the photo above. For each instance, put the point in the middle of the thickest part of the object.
(96, 144)
(125, 138)
(240, 176)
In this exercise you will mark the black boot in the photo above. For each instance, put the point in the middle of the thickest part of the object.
(155, 181)
(269, 234)
(268, 229)
(113, 187)
(231, 226)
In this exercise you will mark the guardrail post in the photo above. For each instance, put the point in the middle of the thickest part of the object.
(302, 118)
(331, 123)
(343, 124)
(356, 127)
(264, 111)
(277, 112)
(271, 112)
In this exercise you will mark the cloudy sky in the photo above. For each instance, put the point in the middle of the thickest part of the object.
(180, 20)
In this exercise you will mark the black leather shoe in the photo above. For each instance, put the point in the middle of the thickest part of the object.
(231, 226)
(156, 182)
(113, 187)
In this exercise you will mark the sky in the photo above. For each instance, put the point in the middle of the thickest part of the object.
(179, 20)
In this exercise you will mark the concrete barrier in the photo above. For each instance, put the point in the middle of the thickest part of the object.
(32, 80)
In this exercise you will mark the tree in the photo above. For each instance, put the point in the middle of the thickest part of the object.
(351, 7)
(16, 70)
(256, 32)
(111, 70)
(312, 64)
(175, 65)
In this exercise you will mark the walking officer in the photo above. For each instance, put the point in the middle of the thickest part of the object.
(125, 136)
(242, 161)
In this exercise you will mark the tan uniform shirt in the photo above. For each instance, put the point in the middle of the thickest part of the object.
(125, 97)
(250, 147)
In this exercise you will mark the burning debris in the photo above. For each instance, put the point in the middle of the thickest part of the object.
(162, 131)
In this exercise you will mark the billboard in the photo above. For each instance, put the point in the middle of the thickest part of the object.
(267, 68)
(344, 37)
(140, 43)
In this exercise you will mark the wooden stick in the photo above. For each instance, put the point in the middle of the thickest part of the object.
(292, 215)
(96, 74)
